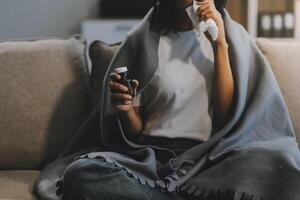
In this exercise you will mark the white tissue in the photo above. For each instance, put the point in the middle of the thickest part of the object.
(202, 26)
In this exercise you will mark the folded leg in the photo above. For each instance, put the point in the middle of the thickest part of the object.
(95, 179)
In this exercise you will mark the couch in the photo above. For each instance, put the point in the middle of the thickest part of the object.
(47, 91)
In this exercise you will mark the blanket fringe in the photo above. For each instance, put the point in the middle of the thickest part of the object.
(192, 191)
(200, 193)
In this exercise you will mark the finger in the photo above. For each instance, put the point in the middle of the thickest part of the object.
(201, 12)
(135, 83)
(127, 102)
(117, 86)
(211, 15)
(121, 96)
(115, 76)
(206, 4)
(212, 4)
(121, 103)
(204, 7)
(206, 14)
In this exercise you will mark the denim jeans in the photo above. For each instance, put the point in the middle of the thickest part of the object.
(95, 179)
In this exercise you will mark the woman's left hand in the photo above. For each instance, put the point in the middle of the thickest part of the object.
(208, 10)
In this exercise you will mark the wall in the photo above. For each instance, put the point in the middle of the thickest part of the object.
(21, 19)
(237, 10)
(280, 5)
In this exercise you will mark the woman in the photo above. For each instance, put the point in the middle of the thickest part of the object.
(161, 128)
(185, 84)
(192, 132)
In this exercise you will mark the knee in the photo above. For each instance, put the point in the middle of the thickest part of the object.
(74, 173)
(82, 171)
(82, 175)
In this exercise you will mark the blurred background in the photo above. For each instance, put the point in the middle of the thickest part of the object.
(110, 20)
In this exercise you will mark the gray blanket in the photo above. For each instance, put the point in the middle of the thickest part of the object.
(254, 156)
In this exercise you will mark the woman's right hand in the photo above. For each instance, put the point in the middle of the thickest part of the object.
(121, 99)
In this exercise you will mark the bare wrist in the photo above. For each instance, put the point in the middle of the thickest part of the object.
(219, 47)
(221, 44)
(128, 112)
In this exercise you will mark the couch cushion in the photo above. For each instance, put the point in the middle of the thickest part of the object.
(44, 96)
(100, 55)
(283, 55)
(17, 185)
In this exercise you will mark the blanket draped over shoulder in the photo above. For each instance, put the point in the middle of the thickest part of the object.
(254, 156)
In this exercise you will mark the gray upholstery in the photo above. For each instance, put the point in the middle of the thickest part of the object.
(44, 96)
(283, 55)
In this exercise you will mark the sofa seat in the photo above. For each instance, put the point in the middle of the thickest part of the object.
(17, 185)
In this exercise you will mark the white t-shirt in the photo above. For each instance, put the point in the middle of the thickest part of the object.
(179, 97)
